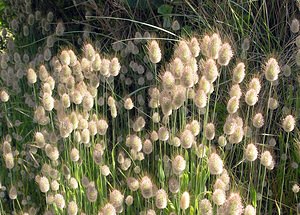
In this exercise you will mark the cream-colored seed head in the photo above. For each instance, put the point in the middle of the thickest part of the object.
(239, 73)
(225, 54)
(154, 52)
(215, 164)
(288, 123)
(251, 152)
(178, 165)
(185, 200)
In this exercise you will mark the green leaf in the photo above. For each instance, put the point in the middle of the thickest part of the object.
(165, 9)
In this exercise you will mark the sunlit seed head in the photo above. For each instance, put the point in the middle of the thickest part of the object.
(4, 97)
(210, 70)
(233, 105)
(271, 70)
(9, 160)
(72, 208)
(156, 117)
(200, 99)
(168, 80)
(178, 165)
(65, 58)
(194, 47)
(187, 138)
(258, 120)
(44, 184)
(219, 197)
(219, 184)
(176, 68)
(183, 51)
(74, 155)
(295, 188)
(194, 127)
(225, 54)
(235, 91)
(13, 193)
(115, 67)
(255, 85)
(59, 201)
(204, 45)
(184, 200)
(233, 205)
(163, 134)
(52, 152)
(133, 184)
(251, 97)
(146, 187)
(187, 78)
(154, 136)
(54, 185)
(31, 76)
(237, 135)
(266, 159)
(129, 200)
(210, 131)
(128, 104)
(215, 164)
(214, 46)
(251, 152)
(108, 209)
(249, 210)
(222, 141)
(91, 192)
(116, 198)
(154, 52)
(294, 26)
(205, 207)
(288, 123)
(161, 199)
(239, 73)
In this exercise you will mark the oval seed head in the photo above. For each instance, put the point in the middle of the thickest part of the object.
(200, 99)
(176, 68)
(59, 201)
(258, 120)
(65, 58)
(233, 205)
(225, 54)
(31, 76)
(251, 97)
(105, 66)
(187, 138)
(129, 200)
(288, 123)
(194, 47)
(128, 104)
(4, 97)
(146, 187)
(9, 160)
(205, 207)
(294, 26)
(60, 29)
(215, 164)
(255, 85)
(233, 105)
(133, 184)
(266, 159)
(44, 184)
(222, 141)
(272, 70)
(13, 193)
(187, 78)
(108, 209)
(219, 197)
(251, 152)
(174, 185)
(74, 155)
(91, 192)
(183, 51)
(219, 184)
(286, 69)
(39, 139)
(105, 171)
(163, 134)
(72, 208)
(249, 210)
(178, 165)
(154, 52)
(210, 131)
(204, 85)
(239, 73)
(185, 200)
(161, 199)
(295, 188)
(89, 52)
(194, 127)
(237, 135)
(236, 91)
(168, 80)
(116, 198)
(147, 147)
(214, 46)
(204, 46)
(115, 67)
(210, 70)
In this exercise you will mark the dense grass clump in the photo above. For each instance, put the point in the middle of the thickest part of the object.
(162, 117)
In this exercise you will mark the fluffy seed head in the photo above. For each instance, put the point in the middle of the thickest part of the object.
(288, 123)
(200, 99)
(295, 188)
(239, 73)
(178, 165)
(176, 68)
(31, 76)
(266, 159)
(129, 200)
(194, 47)
(251, 152)
(237, 135)
(161, 199)
(185, 200)
(219, 197)
(249, 210)
(115, 67)
(147, 147)
(233, 205)
(116, 198)
(210, 70)
(225, 54)
(174, 185)
(72, 208)
(215, 164)
(294, 26)
(272, 70)
(133, 184)
(236, 91)
(146, 187)
(108, 209)
(128, 104)
(258, 120)
(251, 97)
(214, 46)
(187, 138)
(205, 207)
(233, 105)
(13, 194)
(168, 80)
(59, 201)
(44, 184)
(222, 141)
(187, 78)
(183, 51)
(154, 52)
(210, 131)
(255, 85)
(163, 134)
(4, 97)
